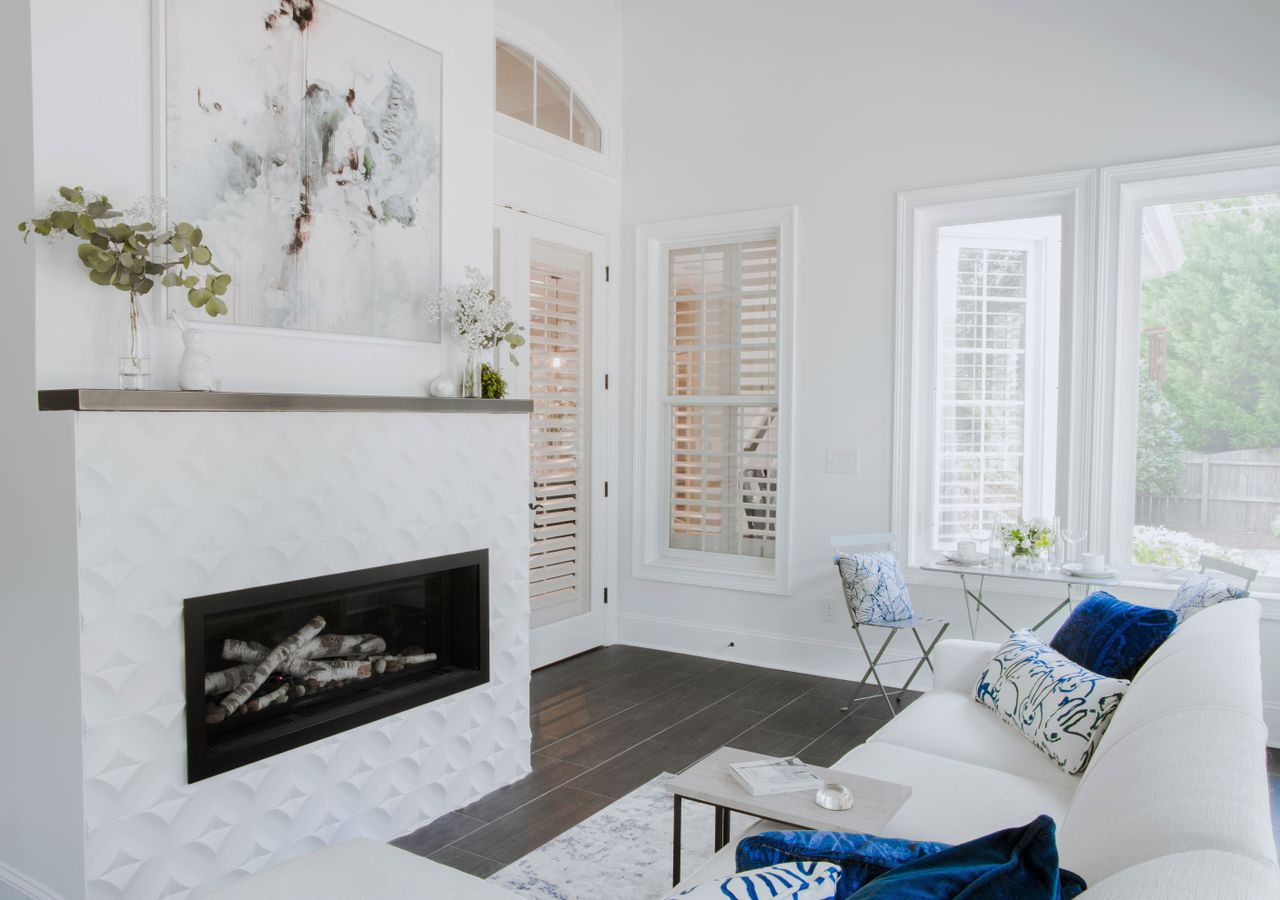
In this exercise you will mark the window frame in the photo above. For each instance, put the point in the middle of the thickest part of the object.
(652, 556)
(528, 38)
(921, 214)
(1125, 191)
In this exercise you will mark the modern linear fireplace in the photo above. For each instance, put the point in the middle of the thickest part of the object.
(275, 667)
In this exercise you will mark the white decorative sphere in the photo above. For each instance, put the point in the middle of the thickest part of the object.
(444, 386)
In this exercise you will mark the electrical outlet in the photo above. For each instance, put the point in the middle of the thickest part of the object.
(828, 610)
(843, 462)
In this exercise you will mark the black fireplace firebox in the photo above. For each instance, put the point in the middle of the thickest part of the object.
(275, 667)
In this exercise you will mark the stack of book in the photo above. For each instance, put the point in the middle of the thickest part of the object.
(761, 777)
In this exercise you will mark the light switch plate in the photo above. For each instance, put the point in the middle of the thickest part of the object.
(843, 462)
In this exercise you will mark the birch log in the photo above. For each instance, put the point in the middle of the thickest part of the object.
(279, 695)
(324, 646)
(330, 645)
(283, 651)
(337, 670)
(226, 680)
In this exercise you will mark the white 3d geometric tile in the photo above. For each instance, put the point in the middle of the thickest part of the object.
(175, 505)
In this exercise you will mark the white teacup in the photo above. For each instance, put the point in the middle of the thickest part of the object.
(1093, 562)
(966, 548)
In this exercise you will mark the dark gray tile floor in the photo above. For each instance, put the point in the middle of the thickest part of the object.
(607, 721)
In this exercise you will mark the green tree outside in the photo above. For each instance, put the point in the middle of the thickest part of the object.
(1223, 311)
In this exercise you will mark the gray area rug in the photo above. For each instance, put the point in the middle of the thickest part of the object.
(622, 852)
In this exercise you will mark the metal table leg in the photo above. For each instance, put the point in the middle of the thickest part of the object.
(675, 844)
(722, 827)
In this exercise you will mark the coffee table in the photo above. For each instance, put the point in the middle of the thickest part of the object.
(709, 781)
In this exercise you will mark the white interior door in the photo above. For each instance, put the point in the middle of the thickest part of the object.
(554, 275)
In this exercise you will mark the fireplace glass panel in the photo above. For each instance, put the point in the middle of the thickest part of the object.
(392, 638)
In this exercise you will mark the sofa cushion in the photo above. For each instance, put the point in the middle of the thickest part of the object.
(874, 588)
(944, 723)
(1196, 873)
(1012, 864)
(1194, 779)
(1199, 592)
(785, 881)
(1112, 637)
(861, 857)
(953, 801)
(360, 868)
(1060, 706)
(1211, 661)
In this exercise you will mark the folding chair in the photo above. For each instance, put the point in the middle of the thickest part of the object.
(1244, 573)
(912, 624)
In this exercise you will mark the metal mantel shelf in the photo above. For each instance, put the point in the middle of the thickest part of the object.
(104, 400)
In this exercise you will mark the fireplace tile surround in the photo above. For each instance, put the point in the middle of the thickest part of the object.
(180, 504)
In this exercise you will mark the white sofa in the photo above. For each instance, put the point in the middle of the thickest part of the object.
(1173, 804)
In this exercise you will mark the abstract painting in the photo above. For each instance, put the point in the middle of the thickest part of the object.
(306, 141)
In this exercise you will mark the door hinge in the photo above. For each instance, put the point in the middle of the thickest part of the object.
(606, 381)
(606, 274)
(606, 489)
(606, 595)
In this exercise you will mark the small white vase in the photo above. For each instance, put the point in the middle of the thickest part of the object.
(195, 369)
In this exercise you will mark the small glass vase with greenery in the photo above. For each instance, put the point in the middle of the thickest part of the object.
(1028, 539)
(480, 320)
(130, 252)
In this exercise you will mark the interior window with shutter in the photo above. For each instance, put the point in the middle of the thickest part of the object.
(559, 554)
(994, 384)
(722, 397)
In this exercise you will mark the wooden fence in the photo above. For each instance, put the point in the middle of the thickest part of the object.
(1235, 489)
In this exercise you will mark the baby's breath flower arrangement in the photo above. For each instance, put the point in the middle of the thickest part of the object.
(479, 319)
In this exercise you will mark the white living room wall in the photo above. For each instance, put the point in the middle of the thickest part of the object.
(97, 131)
(37, 545)
(835, 107)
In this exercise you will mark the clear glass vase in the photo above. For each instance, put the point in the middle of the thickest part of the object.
(471, 376)
(134, 361)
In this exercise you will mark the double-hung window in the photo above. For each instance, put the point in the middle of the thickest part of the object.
(716, 294)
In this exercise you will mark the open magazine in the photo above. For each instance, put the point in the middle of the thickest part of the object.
(761, 777)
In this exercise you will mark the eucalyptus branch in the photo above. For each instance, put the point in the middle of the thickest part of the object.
(123, 255)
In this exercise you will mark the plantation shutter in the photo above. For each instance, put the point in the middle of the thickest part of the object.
(982, 389)
(722, 397)
(559, 556)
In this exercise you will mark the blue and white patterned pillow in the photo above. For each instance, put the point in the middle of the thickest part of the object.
(874, 588)
(1200, 592)
(801, 880)
(1058, 705)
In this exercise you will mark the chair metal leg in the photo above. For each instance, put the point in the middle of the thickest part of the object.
(925, 652)
(871, 670)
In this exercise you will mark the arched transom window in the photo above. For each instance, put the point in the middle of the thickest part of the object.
(529, 91)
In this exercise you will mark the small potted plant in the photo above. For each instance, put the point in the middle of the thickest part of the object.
(129, 252)
(480, 320)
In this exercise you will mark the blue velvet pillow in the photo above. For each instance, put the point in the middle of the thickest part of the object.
(1014, 864)
(861, 856)
(1112, 637)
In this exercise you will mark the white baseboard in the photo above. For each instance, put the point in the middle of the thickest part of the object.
(14, 884)
(1271, 715)
(810, 656)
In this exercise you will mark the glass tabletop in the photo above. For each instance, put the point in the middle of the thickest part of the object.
(1051, 575)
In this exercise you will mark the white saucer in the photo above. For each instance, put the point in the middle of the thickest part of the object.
(957, 559)
(1077, 571)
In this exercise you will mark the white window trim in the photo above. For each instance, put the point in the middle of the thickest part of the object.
(524, 35)
(652, 559)
(920, 214)
(1125, 191)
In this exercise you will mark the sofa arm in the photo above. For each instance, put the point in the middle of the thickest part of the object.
(958, 663)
